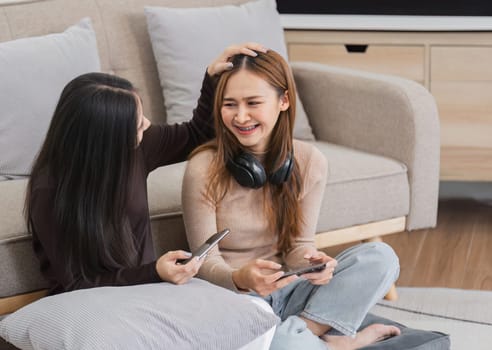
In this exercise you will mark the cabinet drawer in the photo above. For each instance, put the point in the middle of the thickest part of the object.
(466, 164)
(465, 63)
(468, 101)
(405, 61)
(465, 111)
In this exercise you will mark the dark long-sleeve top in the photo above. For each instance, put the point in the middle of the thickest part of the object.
(161, 145)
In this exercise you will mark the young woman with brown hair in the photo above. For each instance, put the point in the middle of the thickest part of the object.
(267, 188)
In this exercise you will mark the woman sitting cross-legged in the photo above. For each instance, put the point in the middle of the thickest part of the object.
(254, 179)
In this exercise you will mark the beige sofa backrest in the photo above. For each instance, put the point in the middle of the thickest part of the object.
(124, 49)
(121, 30)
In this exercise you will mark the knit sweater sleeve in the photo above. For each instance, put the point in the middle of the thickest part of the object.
(314, 171)
(200, 220)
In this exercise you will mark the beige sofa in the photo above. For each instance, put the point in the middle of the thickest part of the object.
(379, 133)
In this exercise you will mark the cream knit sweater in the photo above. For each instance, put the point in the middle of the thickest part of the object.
(241, 211)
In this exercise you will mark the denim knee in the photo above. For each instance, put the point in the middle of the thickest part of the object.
(384, 259)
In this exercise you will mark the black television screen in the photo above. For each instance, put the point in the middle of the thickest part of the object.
(388, 7)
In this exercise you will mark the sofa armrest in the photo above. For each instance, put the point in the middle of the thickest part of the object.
(380, 114)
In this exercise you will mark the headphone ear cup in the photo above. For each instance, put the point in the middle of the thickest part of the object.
(247, 170)
(282, 174)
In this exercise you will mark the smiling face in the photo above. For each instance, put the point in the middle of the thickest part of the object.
(250, 109)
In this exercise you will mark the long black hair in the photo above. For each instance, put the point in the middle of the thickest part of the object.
(89, 154)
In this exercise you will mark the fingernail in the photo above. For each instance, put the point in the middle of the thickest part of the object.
(188, 254)
(230, 65)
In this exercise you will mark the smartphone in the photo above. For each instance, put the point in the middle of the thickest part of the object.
(205, 247)
(303, 270)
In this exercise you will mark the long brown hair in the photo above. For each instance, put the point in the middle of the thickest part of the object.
(281, 205)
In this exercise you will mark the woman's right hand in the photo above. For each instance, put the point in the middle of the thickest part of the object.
(169, 271)
(222, 63)
(261, 276)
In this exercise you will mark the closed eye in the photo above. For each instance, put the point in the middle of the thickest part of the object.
(254, 103)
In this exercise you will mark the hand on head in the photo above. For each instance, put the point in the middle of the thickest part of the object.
(222, 63)
(261, 276)
(169, 271)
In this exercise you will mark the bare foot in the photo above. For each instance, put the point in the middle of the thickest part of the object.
(368, 335)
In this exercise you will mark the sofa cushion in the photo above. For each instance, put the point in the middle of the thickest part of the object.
(361, 188)
(194, 315)
(186, 40)
(34, 71)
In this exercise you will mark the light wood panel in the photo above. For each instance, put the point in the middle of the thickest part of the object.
(465, 101)
(406, 61)
(466, 163)
(360, 232)
(467, 134)
(461, 63)
(11, 304)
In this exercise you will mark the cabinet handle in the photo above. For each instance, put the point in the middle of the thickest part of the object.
(351, 48)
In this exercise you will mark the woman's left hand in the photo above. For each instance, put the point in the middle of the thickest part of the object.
(324, 276)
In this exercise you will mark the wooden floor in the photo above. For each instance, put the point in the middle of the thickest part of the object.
(455, 254)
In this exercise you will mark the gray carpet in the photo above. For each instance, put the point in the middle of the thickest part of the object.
(464, 314)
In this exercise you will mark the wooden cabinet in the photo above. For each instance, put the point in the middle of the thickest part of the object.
(407, 61)
(456, 67)
(461, 82)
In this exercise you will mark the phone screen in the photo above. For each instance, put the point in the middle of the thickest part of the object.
(303, 270)
(211, 242)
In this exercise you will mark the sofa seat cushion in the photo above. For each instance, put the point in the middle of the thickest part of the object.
(361, 188)
(164, 190)
(13, 194)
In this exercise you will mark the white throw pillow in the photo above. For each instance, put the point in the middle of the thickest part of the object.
(33, 73)
(186, 40)
(195, 315)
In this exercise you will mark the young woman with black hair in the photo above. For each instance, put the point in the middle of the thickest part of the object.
(86, 201)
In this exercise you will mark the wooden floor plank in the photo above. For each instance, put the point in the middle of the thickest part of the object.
(444, 253)
(407, 246)
(457, 253)
(478, 272)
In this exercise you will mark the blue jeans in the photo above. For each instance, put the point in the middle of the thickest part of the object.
(362, 277)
